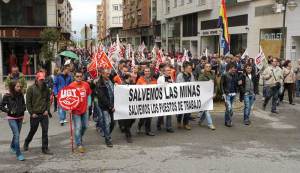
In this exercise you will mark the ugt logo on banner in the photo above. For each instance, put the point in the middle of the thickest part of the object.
(68, 98)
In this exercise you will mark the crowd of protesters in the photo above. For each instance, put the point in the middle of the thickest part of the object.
(233, 76)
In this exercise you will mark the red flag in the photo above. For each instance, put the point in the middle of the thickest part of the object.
(158, 60)
(103, 61)
(100, 60)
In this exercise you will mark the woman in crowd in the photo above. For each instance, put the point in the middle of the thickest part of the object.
(249, 89)
(13, 104)
(289, 79)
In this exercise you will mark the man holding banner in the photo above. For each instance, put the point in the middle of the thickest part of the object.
(146, 80)
(80, 116)
(185, 76)
(105, 95)
(165, 79)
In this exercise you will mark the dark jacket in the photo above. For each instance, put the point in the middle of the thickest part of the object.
(13, 105)
(243, 86)
(38, 99)
(102, 92)
(208, 77)
(229, 83)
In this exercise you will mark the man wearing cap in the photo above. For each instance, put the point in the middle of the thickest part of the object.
(38, 104)
(60, 81)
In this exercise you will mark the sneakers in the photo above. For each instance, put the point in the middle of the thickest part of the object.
(109, 144)
(20, 157)
(275, 112)
(81, 149)
(62, 123)
(12, 151)
(47, 152)
(212, 127)
(187, 127)
(65, 121)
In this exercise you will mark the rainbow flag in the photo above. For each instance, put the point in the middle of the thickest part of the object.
(223, 23)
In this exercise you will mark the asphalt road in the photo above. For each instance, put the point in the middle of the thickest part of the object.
(270, 144)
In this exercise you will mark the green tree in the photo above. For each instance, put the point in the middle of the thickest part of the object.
(50, 37)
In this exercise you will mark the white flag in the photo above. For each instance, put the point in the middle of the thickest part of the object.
(260, 60)
(245, 54)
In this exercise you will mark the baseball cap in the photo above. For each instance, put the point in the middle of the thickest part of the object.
(40, 76)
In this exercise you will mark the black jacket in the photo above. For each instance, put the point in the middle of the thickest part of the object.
(254, 81)
(229, 81)
(103, 96)
(13, 105)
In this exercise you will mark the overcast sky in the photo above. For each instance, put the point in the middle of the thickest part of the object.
(84, 12)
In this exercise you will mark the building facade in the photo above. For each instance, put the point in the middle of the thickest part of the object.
(137, 22)
(64, 16)
(113, 19)
(193, 24)
(21, 23)
(101, 22)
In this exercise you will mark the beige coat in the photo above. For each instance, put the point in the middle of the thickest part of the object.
(289, 75)
(272, 75)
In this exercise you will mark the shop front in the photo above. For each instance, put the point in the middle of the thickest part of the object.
(20, 47)
(271, 41)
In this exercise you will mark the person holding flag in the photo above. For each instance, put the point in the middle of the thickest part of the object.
(79, 115)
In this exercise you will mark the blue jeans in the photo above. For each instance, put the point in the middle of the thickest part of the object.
(248, 103)
(61, 114)
(229, 108)
(105, 122)
(298, 88)
(206, 115)
(80, 124)
(16, 126)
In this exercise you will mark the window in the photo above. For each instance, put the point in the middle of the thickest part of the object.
(201, 2)
(264, 10)
(115, 7)
(233, 21)
(29, 12)
(190, 1)
(190, 25)
(167, 6)
(121, 20)
(175, 3)
(115, 20)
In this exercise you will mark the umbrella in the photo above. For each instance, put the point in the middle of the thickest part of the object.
(69, 54)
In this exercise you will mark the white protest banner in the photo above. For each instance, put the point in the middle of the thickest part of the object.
(260, 60)
(141, 101)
